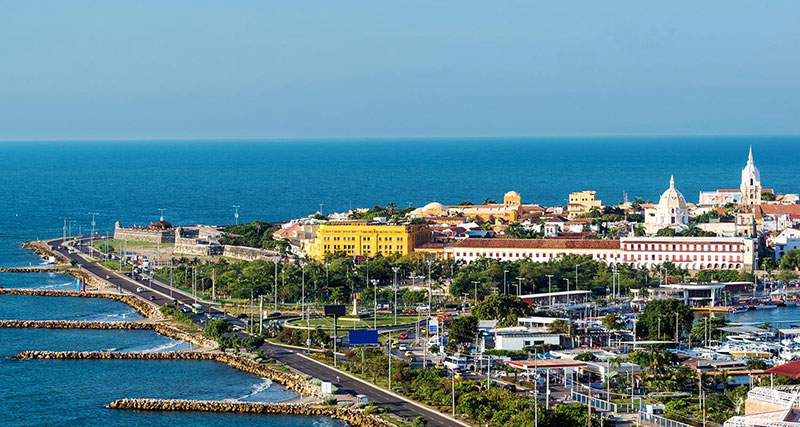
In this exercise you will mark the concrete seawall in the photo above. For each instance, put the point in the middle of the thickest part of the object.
(290, 380)
(354, 417)
(144, 308)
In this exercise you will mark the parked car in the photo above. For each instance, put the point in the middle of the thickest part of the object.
(140, 289)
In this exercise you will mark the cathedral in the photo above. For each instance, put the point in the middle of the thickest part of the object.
(751, 183)
(671, 211)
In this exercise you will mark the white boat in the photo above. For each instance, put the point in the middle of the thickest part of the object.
(766, 306)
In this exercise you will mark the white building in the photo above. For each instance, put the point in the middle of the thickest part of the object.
(751, 183)
(788, 240)
(692, 253)
(517, 337)
(670, 211)
(538, 250)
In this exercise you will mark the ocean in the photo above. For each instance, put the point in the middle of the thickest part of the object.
(200, 181)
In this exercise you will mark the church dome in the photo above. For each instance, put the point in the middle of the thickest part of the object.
(512, 194)
(433, 206)
(672, 198)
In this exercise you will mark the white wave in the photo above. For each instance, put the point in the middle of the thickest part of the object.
(163, 347)
(255, 389)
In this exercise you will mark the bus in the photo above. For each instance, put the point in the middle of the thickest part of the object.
(454, 363)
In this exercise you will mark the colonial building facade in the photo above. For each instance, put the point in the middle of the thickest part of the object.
(692, 253)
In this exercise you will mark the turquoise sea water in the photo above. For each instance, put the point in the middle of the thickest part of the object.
(198, 182)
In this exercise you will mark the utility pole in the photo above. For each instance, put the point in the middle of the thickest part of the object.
(91, 237)
(550, 286)
(395, 269)
(475, 282)
(505, 288)
(213, 284)
(375, 314)
(428, 319)
(261, 312)
(519, 288)
(276, 285)
(389, 350)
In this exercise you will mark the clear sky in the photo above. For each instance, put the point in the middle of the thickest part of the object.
(336, 69)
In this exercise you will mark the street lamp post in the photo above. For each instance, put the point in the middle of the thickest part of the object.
(519, 288)
(550, 287)
(505, 288)
(394, 285)
(428, 320)
(375, 314)
(475, 282)
(275, 288)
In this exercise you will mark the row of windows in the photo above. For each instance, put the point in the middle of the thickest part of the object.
(529, 255)
(691, 247)
(351, 238)
(681, 258)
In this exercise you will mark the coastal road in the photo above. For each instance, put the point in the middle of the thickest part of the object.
(160, 294)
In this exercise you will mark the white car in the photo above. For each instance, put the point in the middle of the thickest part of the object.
(140, 289)
(500, 374)
(402, 347)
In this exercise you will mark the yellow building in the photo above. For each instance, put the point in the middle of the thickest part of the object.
(364, 238)
(581, 203)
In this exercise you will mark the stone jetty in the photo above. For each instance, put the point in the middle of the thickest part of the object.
(43, 250)
(143, 307)
(168, 331)
(290, 380)
(354, 417)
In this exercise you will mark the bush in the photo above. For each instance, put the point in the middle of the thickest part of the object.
(216, 327)
(330, 400)
(252, 342)
(419, 422)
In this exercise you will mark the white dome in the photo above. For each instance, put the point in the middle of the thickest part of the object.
(672, 198)
(512, 194)
(433, 206)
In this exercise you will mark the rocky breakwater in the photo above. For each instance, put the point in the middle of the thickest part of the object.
(354, 417)
(43, 250)
(75, 324)
(289, 380)
(90, 279)
(144, 308)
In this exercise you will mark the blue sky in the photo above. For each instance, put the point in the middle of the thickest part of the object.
(324, 69)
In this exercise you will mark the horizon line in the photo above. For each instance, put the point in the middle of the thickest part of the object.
(400, 138)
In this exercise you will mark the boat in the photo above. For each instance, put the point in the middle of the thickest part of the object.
(766, 306)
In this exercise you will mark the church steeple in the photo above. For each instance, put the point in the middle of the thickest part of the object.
(750, 156)
(672, 181)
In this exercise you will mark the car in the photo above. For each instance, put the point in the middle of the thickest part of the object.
(510, 387)
(403, 336)
(394, 346)
(152, 298)
(402, 347)
(411, 311)
(457, 376)
(108, 276)
(409, 354)
(424, 308)
(500, 374)
(242, 316)
(274, 314)
(140, 289)
(186, 310)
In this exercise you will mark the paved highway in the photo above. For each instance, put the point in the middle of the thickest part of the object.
(159, 294)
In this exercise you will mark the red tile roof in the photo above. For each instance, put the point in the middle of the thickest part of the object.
(538, 244)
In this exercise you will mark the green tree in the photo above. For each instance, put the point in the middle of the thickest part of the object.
(612, 322)
(755, 364)
(419, 422)
(561, 326)
(660, 316)
(791, 260)
(586, 357)
(786, 275)
(216, 327)
(505, 308)
(462, 331)
(666, 232)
